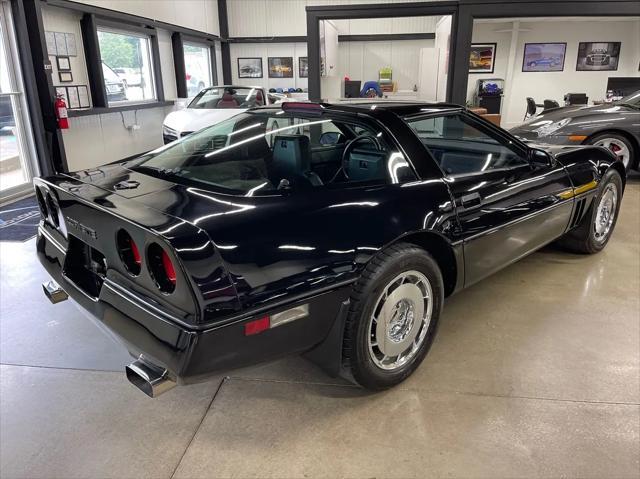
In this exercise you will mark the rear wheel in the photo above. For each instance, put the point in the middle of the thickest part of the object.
(598, 224)
(618, 145)
(393, 316)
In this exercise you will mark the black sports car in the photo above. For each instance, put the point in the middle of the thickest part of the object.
(615, 126)
(334, 230)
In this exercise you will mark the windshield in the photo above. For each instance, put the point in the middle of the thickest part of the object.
(264, 151)
(228, 97)
(633, 99)
(109, 75)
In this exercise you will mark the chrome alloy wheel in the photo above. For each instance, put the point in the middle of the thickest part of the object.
(400, 320)
(618, 148)
(606, 212)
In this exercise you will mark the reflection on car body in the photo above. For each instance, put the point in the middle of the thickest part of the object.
(330, 229)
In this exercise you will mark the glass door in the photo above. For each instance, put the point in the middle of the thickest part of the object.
(16, 146)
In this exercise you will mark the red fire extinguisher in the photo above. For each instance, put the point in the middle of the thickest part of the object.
(61, 113)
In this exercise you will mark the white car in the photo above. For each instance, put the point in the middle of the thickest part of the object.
(213, 105)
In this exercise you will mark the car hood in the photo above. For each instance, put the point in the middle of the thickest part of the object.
(194, 119)
(584, 113)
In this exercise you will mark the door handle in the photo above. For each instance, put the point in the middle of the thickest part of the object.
(471, 200)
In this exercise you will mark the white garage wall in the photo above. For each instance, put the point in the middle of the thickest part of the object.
(265, 50)
(98, 139)
(363, 60)
(554, 85)
(263, 18)
(201, 15)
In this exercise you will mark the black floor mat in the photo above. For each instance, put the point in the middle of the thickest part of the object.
(19, 220)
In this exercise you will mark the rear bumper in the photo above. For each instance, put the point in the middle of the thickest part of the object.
(188, 353)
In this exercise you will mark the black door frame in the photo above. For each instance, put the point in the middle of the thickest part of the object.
(463, 13)
(389, 10)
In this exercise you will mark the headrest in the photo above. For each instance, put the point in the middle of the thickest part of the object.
(227, 96)
(291, 155)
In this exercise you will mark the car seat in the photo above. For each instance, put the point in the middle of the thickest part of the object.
(365, 164)
(371, 89)
(292, 160)
(259, 98)
(227, 101)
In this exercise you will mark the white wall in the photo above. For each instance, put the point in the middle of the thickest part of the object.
(554, 85)
(363, 60)
(98, 139)
(265, 50)
(59, 20)
(262, 18)
(201, 15)
(373, 26)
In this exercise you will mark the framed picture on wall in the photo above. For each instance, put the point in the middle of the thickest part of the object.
(249, 67)
(303, 67)
(65, 77)
(598, 56)
(63, 63)
(543, 57)
(482, 57)
(280, 67)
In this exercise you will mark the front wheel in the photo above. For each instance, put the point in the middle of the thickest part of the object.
(618, 145)
(597, 226)
(394, 312)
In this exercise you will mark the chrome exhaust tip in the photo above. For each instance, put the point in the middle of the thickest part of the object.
(54, 292)
(150, 379)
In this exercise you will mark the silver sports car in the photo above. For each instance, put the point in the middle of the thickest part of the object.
(613, 125)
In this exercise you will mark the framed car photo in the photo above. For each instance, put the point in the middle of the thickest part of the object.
(543, 57)
(482, 57)
(249, 67)
(280, 67)
(598, 56)
(303, 67)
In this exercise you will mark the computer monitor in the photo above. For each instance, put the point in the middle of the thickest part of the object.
(352, 88)
(623, 86)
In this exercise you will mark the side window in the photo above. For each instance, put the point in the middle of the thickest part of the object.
(461, 148)
(333, 157)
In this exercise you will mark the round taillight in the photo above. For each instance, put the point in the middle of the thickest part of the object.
(41, 203)
(53, 211)
(161, 268)
(129, 252)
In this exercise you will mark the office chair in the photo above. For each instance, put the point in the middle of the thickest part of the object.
(532, 107)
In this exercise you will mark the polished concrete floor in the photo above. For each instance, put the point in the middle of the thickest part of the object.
(535, 373)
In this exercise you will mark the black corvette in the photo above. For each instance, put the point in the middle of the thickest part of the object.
(333, 230)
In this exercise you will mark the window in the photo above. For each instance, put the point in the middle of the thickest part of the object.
(127, 67)
(460, 147)
(197, 62)
(223, 98)
(264, 151)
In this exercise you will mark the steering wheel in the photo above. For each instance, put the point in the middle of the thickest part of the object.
(349, 148)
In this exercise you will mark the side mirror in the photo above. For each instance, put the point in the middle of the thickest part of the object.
(331, 138)
(540, 157)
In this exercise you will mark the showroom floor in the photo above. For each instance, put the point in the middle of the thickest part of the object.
(535, 373)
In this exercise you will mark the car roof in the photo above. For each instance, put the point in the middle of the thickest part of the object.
(235, 86)
(399, 107)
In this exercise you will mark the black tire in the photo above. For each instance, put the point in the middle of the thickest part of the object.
(382, 269)
(594, 140)
(583, 238)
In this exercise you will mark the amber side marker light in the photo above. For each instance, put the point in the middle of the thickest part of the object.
(275, 320)
(577, 137)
